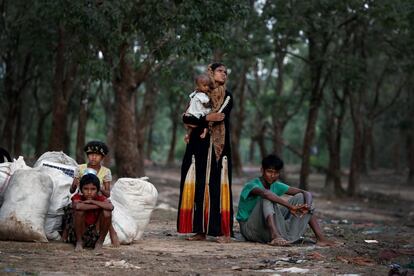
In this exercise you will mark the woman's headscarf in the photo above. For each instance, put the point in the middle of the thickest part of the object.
(217, 95)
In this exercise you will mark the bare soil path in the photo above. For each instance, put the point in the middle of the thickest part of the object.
(385, 215)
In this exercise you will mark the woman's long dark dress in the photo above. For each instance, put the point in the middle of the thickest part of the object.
(199, 148)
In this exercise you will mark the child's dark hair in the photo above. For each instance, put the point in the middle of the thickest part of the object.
(96, 147)
(202, 78)
(272, 161)
(89, 178)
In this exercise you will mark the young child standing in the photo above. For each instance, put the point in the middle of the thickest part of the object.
(92, 214)
(96, 152)
(199, 104)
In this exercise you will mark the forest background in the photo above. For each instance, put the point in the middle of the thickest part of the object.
(325, 84)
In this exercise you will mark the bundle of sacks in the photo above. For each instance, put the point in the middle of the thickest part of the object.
(32, 200)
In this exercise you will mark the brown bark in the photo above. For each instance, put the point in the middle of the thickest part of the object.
(396, 155)
(278, 128)
(145, 117)
(173, 141)
(82, 120)
(175, 121)
(316, 68)
(150, 142)
(355, 167)
(333, 137)
(251, 150)
(279, 121)
(129, 157)
(41, 118)
(126, 151)
(40, 147)
(410, 157)
(63, 82)
(106, 99)
(258, 125)
(237, 125)
(261, 141)
(356, 102)
(15, 84)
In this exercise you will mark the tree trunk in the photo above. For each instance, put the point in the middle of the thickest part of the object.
(410, 156)
(251, 150)
(146, 117)
(355, 167)
(396, 154)
(261, 142)
(316, 67)
(237, 125)
(277, 116)
(334, 127)
(278, 128)
(107, 101)
(18, 137)
(173, 141)
(15, 83)
(356, 101)
(368, 151)
(127, 157)
(82, 121)
(150, 142)
(11, 122)
(40, 148)
(62, 91)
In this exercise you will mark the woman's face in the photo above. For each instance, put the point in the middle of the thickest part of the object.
(220, 75)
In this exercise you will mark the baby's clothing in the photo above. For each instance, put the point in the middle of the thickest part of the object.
(198, 104)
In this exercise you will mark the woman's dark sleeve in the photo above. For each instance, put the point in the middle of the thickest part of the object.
(192, 120)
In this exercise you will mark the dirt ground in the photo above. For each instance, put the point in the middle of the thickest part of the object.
(384, 215)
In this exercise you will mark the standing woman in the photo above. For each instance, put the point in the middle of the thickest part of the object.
(205, 206)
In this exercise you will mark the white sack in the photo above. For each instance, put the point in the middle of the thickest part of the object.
(124, 225)
(26, 201)
(6, 171)
(57, 157)
(59, 199)
(137, 197)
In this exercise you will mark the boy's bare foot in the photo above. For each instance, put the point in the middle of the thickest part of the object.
(197, 237)
(223, 239)
(115, 242)
(79, 246)
(98, 245)
(279, 242)
(326, 242)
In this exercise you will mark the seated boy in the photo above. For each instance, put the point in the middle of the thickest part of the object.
(92, 214)
(266, 217)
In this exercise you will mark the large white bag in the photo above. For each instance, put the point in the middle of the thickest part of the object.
(57, 157)
(136, 197)
(124, 225)
(6, 171)
(26, 201)
(58, 200)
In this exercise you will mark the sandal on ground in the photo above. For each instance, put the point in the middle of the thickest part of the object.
(279, 242)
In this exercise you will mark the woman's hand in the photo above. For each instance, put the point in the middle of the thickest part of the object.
(215, 117)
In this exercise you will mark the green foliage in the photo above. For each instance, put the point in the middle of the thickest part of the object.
(367, 41)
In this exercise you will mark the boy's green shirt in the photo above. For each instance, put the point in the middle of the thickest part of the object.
(247, 201)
